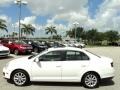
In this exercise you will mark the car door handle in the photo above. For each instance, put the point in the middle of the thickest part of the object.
(83, 65)
(58, 66)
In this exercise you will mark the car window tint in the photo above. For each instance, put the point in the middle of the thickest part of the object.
(74, 55)
(70, 55)
(84, 56)
(52, 56)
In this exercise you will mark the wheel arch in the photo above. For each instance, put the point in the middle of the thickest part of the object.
(21, 70)
(91, 72)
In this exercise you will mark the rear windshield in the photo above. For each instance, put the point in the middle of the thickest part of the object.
(93, 53)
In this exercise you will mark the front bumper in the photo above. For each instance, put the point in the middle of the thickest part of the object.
(4, 54)
(25, 51)
(6, 73)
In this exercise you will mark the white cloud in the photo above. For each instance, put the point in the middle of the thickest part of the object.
(5, 2)
(70, 11)
(106, 16)
(6, 18)
(43, 7)
(29, 20)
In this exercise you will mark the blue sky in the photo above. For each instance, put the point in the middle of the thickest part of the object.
(94, 6)
(42, 13)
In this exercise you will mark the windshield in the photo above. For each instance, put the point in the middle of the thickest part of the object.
(35, 54)
(32, 56)
(93, 53)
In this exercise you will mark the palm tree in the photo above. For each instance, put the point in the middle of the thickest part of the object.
(70, 33)
(57, 37)
(27, 29)
(14, 34)
(52, 30)
(3, 25)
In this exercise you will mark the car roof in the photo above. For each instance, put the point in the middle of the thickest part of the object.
(65, 48)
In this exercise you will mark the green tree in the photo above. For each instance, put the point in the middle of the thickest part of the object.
(52, 30)
(112, 36)
(28, 29)
(14, 34)
(57, 37)
(70, 33)
(80, 33)
(3, 25)
(92, 36)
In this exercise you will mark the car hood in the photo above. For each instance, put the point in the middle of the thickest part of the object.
(20, 60)
(3, 48)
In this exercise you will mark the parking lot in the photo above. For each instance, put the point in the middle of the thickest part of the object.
(113, 52)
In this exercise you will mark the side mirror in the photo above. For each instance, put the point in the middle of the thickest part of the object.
(34, 53)
(36, 60)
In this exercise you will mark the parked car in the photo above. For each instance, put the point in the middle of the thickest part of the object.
(74, 44)
(79, 45)
(4, 51)
(37, 46)
(62, 65)
(51, 44)
(114, 44)
(17, 47)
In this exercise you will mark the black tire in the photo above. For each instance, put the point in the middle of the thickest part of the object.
(90, 80)
(20, 78)
(16, 52)
(36, 50)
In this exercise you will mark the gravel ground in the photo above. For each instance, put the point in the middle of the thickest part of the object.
(113, 52)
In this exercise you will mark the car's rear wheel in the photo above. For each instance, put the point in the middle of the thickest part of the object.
(16, 52)
(90, 80)
(20, 78)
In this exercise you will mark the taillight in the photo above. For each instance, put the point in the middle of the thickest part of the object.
(112, 64)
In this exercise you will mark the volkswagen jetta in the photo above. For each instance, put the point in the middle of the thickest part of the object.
(65, 64)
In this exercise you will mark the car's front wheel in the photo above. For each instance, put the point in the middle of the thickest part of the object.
(36, 50)
(16, 52)
(90, 80)
(20, 78)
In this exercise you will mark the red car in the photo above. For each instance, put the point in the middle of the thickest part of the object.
(17, 47)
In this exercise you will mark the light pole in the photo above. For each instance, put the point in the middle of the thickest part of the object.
(19, 3)
(75, 25)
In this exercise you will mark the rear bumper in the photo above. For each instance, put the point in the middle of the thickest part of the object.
(109, 74)
(109, 78)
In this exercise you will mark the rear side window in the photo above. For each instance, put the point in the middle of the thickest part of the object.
(75, 55)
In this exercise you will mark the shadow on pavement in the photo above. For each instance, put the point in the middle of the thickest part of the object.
(102, 83)
(107, 83)
(57, 84)
(5, 58)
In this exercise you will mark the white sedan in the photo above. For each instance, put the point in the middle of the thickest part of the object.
(66, 64)
(4, 51)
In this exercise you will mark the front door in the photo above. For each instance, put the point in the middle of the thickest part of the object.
(48, 68)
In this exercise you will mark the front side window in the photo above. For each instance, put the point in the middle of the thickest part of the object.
(75, 55)
(51, 56)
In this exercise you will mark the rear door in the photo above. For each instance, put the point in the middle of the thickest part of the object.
(73, 65)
